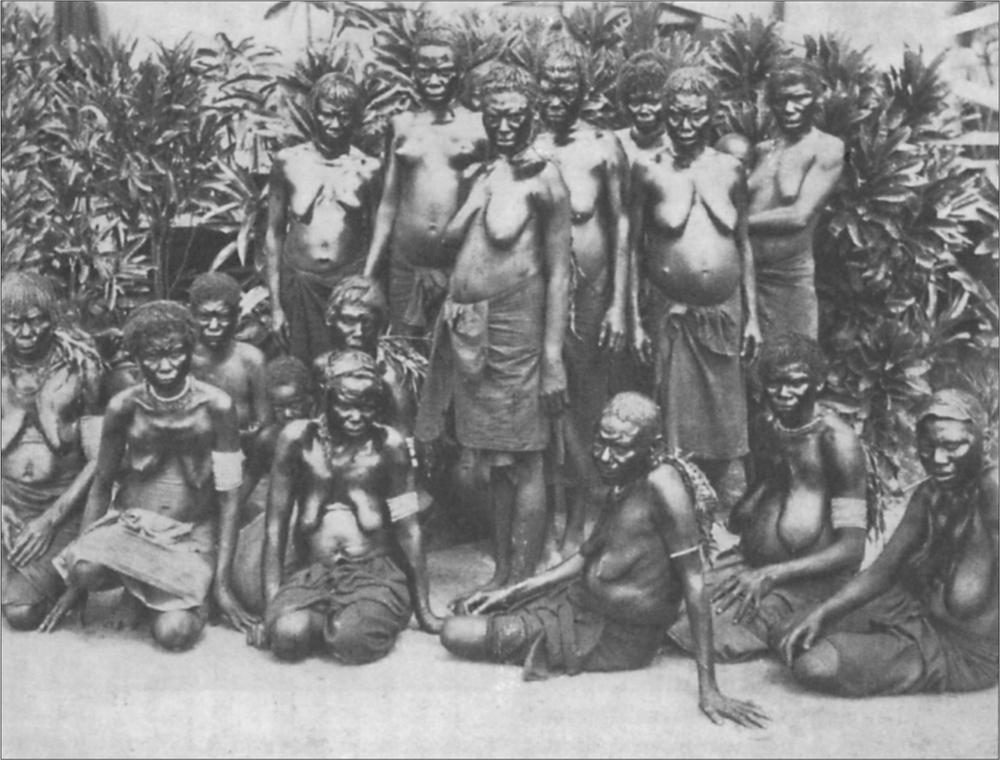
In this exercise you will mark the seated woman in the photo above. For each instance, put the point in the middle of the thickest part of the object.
(171, 445)
(930, 622)
(50, 386)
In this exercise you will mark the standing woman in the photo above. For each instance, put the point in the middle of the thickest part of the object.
(427, 154)
(171, 444)
(793, 176)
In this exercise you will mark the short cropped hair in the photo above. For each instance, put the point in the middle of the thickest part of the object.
(792, 71)
(287, 370)
(643, 72)
(505, 78)
(215, 286)
(358, 290)
(691, 80)
(638, 409)
(793, 348)
(156, 319)
(23, 290)
(338, 88)
(439, 35)
(563, 53)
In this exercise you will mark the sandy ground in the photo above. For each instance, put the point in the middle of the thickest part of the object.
(103, 693)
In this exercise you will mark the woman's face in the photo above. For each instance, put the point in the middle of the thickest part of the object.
(165, 361)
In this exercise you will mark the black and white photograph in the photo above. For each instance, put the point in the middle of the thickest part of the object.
(499, 379)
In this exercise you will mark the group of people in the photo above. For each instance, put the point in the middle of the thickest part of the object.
(544, 270)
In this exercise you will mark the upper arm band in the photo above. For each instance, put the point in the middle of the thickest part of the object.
(848, 513)
(227, 467)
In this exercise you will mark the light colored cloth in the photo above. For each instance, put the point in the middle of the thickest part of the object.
(699, 379)
(486, 362)
(786, 297)
(166, 564)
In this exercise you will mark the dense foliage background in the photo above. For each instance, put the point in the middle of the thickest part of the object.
(117, 172)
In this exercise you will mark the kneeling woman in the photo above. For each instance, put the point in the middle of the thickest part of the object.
(172, 445)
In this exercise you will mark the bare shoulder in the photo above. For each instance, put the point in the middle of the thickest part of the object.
(723, 162)
(218, 400)
(611, 147)
(296, 432)
(124, 402)
(292, 153)
(250, 356)
(837, 431)
(368, 166)
(828, 147)
(394, 442)
(989, 489)
(667, 482)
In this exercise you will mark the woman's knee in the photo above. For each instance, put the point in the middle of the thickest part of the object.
(90, 576)
(818, 668)
(465, 636)
(25, 617)
(292, 636)
(177, 630)
(359, 635)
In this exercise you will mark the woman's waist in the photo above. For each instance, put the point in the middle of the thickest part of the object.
(468, 285)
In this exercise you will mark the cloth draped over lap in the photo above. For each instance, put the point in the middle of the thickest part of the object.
(415, 294)
(699, 377)
(165, 563)
(786, 297)
(486, 362)
(28, 502)
(759, 630)
(303, 296)
(559, 633)
(365, 601)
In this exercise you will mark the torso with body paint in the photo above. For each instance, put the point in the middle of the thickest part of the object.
(329, 207)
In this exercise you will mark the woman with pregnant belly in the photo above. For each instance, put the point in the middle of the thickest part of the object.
(689, 233)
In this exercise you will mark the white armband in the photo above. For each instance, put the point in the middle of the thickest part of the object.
(227, 467)
(403, 506)
(848, 513)
(90, 435)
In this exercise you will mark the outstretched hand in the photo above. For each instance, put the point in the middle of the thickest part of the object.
(71, 598)
(801, 636)
(10, 526)
(746, 589)
(33, 541)
(483, 602)
(720, 708)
